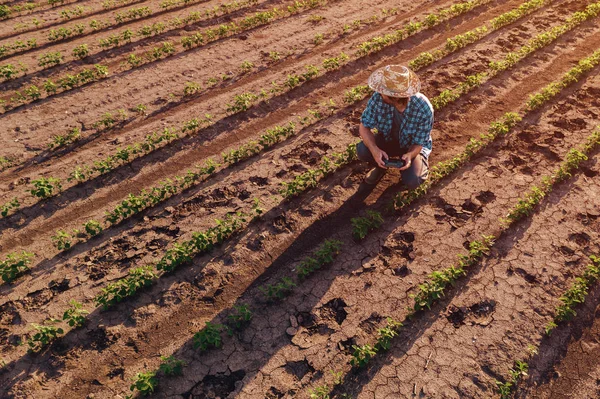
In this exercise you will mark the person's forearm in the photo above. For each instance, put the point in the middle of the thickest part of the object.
(367, 137)
(414, 150)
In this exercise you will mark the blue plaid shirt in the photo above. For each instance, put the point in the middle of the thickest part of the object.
(415, 123)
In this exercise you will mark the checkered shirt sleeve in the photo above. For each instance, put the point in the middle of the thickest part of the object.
(377, 115)
(418, 122)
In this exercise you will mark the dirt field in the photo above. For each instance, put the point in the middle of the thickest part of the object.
(265, 66)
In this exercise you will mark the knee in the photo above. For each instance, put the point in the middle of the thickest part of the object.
(362, 152)
(412, 181)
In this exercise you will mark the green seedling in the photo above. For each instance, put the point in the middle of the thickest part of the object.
(115, 292)
(145, 383)
(278, 291)
(15, 265)
(240, 316)
(320, 392)
(62, 140)
(361, 226)
(386, 334)
(92, 228)
(208, 337)
(171, 366)
(45, 187)
(9, 206)
(44, 335)
(75, 314)
(62, 240)
(362, 355)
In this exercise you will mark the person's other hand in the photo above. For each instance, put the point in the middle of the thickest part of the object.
(379, 155)
(407, 162)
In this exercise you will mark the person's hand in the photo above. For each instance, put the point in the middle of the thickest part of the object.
(407, 162)
(379, 155)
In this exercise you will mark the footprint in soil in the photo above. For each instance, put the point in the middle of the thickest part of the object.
(299, 369)
(581, 239)
(370, 324)
(334, 310)
(400, 244)
(215, 386)
(310, 152)
(479, 313)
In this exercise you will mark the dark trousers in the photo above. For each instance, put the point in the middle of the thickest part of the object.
(412, 177)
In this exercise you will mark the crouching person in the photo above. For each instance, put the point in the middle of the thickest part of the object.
(402, 118)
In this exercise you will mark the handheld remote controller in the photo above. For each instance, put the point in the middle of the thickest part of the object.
(394, 163)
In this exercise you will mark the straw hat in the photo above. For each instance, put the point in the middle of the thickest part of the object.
(395, 81)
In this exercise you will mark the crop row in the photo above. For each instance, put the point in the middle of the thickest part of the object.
(50, 59)
(109, 120)
(350, 154)
(358, 93)
(241, 103)
(572, 298)
(68, 14)
(439, 281)
(429, 292)
(164, 50)
(203, 246)
(512, 58)
(132, 14)
(134, 204)
(15, 10)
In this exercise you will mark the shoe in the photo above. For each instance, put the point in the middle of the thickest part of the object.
(375, 175)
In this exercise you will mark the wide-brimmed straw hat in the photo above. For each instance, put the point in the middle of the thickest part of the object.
(395, 81)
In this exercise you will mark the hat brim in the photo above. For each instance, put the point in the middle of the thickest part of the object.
(377, 83)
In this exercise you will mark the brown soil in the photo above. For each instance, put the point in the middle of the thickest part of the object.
(456, 350)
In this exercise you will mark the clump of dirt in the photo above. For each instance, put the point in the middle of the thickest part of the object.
(215, 386)
(299, 369)
(479, 313)
(334, 310)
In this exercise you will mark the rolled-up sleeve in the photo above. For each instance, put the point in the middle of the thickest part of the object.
(421, 134)
(368, 117)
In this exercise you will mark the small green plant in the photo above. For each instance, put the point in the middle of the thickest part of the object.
(115, 292)
(386, 334)
(145, 383)
(14, 265)
(208, 337)
(44, 335)
(8, 71)
(45, 187)
(92, 228)
(62, 140)
(505, 388)
(318, 39)
(61, 240)
(81, 51)
(356, 94)
(50, 59)
(141, 109)
(191, 88)
(278, 291)
(432, 290)
(171, 366)
(324, 255)
(241, 102)
(320, 392)
(75, 314)
(240, 316)
(274, 56)
(362, 355)
(246, 66)
(362, 225)
(9, 206)
(575, 295)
